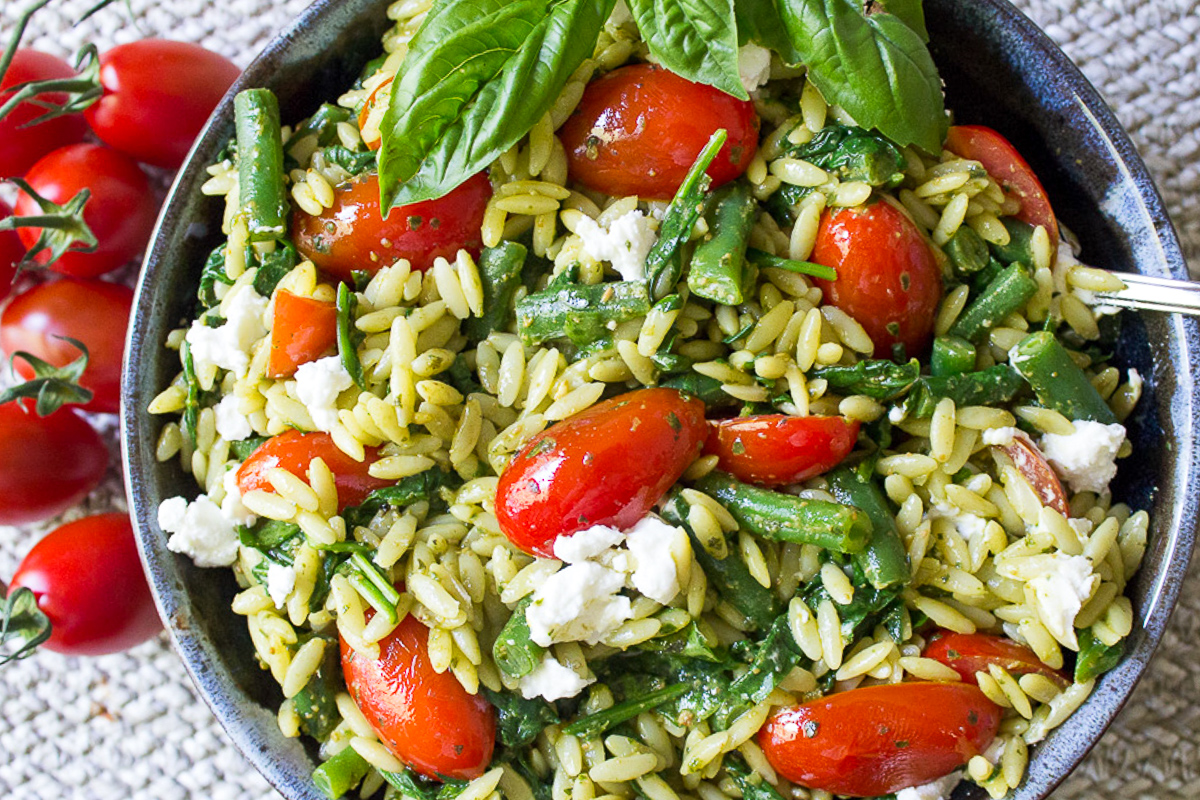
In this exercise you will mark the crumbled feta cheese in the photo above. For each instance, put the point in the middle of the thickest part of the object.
(624, 245)
(581, 602)
(586, 544)
(232, 424)
(935, 790)
(318, 384)
(199, 530)
(231, 506)
(1086, 458)
(552, 680)
(227, 346)
(280, 582)
(754, 65)
(1000, 436)
(969, 526)
(896, 414)
(657, 549)
(1059, 592)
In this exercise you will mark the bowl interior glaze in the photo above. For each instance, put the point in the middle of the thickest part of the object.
(1000, 70)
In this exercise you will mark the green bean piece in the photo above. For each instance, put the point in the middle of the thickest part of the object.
(716, 270)
(579, 312)
(1095, 657)
(347, 343)
(341, 773)
(500, 273)
(260, 163)
(988, 387)
(951, 355)
(764, 260)
(1057, 380)
(884, 561)
(1008, 292)
(596, 724)
(515, 652)
(1019, 247)
(967, 250)
(787, 518)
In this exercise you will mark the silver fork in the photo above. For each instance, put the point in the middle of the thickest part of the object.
(1154, 294)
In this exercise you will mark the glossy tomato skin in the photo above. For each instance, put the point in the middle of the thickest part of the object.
(157, 96)
(775, 449)
(11, 253)
(47, 464)
(353, 236)
(607, 465)
(639, 128)
(887, 276)
(20, 147)
(94, 312)
(303, 330)
(1009, 169)
(425, 718)
(294, 451)
(880, 739)
(88, 579)
(120, 212)
(969, 653)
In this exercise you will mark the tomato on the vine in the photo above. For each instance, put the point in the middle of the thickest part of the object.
(91, 311)
(353, 235)
(121, 210)
(294, 451)
(969, 653)
(639, 128)
(775, 450)
(887, 276)
(157, 96)
(88, 579)
(21, 146)
(607, 465)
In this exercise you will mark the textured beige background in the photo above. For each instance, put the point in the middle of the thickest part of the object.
(131, 726)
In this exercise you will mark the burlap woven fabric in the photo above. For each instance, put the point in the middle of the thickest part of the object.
(131, 725)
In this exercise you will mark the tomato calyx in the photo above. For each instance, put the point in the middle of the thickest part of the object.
(53, 387)
(21, 622)
(81, 90)
(62, 228)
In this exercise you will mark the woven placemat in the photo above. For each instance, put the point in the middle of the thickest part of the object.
(132, 726)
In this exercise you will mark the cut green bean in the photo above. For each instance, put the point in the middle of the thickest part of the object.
(500, 274)
(260, 163)
(884, 561)
(580, 312)
(764, 260)
(1019, 247)
(951, 355)
(1008, 292)
(1057, 380)
(716, 269)
(515, 652)
(967, 250)
(341, 773)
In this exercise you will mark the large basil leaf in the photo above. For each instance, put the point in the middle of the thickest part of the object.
(874, 66)
(910, 12)
(695, 39)
(478, 75)
(759, 21)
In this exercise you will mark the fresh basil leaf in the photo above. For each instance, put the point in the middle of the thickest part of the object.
(759, 21)
(910, 12)
(875, 67)
(478, 75)
(695, 39)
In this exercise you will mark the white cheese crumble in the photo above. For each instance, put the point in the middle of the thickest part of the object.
(624, 245)
(318, 384)
(1000, 436)
(231, 505)
(199, 530)
(1086, 458)
(896, 414)
(553, 680)
(586, 544)
(280, 582)
(227, 346)
(934, 790)
(581, 602)
(657, 549)
(754, 66)
(232, 424)
(1059, 592)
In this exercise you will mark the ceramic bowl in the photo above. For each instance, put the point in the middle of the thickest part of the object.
(1000, 70)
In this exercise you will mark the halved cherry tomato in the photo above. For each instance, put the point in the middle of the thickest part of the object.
(88, 580)
(353, 236)
(887, 276)
(424, 717)
(157, 96)
(11, 252)
(1010, 170)
(371, 116)
(607, 465)
(638, 130)
(21, 146)
(91, 311)
(294, 451)
(774, 449)
(303, 330)
(880, 739)
(1032, 465)
(968, 653)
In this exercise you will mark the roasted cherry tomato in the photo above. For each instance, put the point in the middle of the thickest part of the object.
(1034, 468)
(775, 450)
(157, 96)
(638, 130)
(47, 464)
(93, 312)
(11, 253)
(968, 653)
(303, 330)
(353, 236)
(887, 276)
(880, 739)
(1009, 169)
(607, 465)
(120, 211)
(294, 451)
(88, 580)
(21, 146)
(424, 717)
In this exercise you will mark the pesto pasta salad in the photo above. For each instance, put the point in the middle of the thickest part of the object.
(606, 400)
